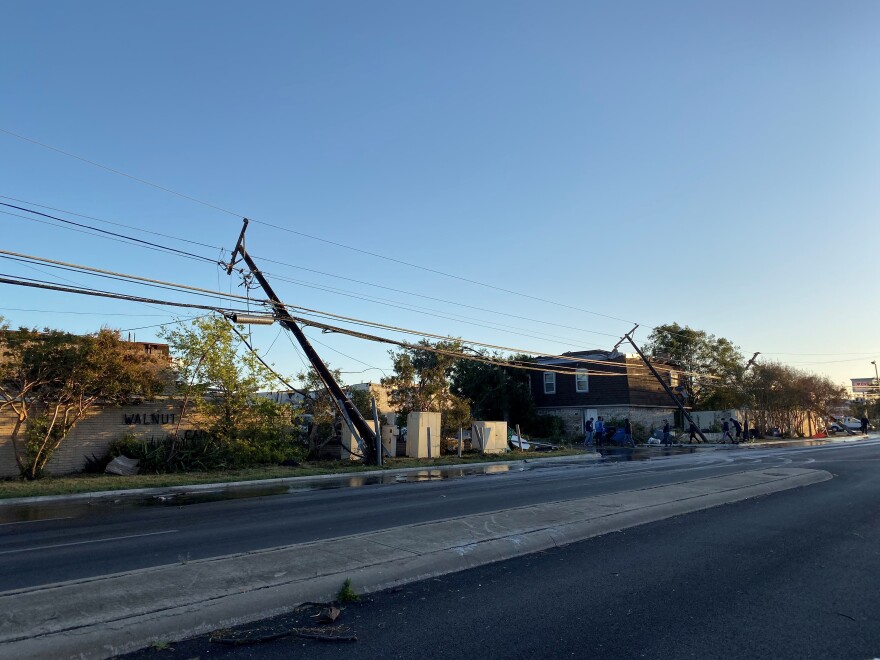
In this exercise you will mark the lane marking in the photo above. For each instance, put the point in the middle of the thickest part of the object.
(65, 545)
(27, 522)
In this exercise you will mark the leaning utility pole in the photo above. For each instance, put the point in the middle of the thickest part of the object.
(675, 399)
(350, 414)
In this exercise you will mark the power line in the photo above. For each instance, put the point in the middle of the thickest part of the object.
(280, 378)
(42, 284)
(152, 232)
(571, 342)
(366, 364)
(208, 292)
(310, 236)
(62, 311)
(119, 172)
(140, 241)
(100, 272)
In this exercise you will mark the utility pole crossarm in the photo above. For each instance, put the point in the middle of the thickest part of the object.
(352, 416)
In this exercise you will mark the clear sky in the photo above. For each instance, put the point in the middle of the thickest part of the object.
(715, 164)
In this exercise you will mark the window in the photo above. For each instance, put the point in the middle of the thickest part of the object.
(673, 379)
(549, 383)
(581, 380)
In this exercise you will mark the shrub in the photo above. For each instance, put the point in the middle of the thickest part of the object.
(202, 451)
(548, 427)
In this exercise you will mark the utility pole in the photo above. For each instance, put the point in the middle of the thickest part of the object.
(359, 427)
(675, 400)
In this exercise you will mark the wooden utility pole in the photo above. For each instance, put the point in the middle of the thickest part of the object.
(359, 427)
(675, 399)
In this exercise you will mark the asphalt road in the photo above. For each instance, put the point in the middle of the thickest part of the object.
(795, 574)
(46, 544)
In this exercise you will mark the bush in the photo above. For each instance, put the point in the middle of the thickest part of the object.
(547, 427)
(202, 451)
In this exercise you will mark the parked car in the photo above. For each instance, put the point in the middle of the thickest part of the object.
(842, 423)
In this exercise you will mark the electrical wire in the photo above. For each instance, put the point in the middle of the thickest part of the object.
(310, 236)
(281, 379)
(114, 234)
(366, 364)
(311, 270)
(151, 232)
(208, 292)
(42, 284)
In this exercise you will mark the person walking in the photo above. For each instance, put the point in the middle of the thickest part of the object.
(588, 432)
(628, 433)
(666, 437)
(738, 429)
(864, 422)
(693, 431)
(725, 428)
(600, 431)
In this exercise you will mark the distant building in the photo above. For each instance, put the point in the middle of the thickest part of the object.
(604, 383)
(865, 388)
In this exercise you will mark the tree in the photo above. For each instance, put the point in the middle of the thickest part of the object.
(421, 383)
(50, 379)
(496, 392)
(319, 404)
(788, 398)
(221, 377)
(714, 366)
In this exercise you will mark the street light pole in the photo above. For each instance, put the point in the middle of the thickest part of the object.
(876, 380)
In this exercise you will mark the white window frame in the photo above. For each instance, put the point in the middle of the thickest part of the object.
(551, 381)
(674, 378)
(580, 374)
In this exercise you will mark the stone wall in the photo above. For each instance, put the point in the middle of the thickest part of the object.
(573, 418)
(94, 434)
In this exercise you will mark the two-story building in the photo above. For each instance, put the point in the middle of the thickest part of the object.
(603, 383)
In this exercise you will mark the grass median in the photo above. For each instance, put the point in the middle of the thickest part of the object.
(95, 483)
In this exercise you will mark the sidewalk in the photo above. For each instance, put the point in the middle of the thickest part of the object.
(104, 616)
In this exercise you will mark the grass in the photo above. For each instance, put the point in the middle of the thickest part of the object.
(347, 594)
(93, 483)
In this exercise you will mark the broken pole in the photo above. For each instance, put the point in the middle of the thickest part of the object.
(349, 412)
(675, 400)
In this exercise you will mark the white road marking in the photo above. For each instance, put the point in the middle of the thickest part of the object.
(27, 522)
(65, 545)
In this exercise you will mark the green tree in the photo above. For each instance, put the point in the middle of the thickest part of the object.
(496, 392)
(713, 365)
(421, 382)
(219, 376)
(50, 379)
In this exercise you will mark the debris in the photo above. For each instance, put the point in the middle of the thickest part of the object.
(328, 615)
(123, 466)
(337, 634)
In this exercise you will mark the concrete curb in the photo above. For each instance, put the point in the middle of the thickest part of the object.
(101, 617)
(195, 488)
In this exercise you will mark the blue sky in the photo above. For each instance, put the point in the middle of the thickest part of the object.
(714, 164)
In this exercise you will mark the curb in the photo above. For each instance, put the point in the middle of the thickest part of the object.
(276, 481)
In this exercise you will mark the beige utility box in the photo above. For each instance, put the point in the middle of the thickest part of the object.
(417, 425)
(389, 439)
(349, 450)
(494, 437)
(390, 433)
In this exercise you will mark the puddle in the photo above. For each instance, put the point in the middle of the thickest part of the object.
(619, 454)
(24, 513)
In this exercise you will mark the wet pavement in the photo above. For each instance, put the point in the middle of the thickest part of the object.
(73, 508)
